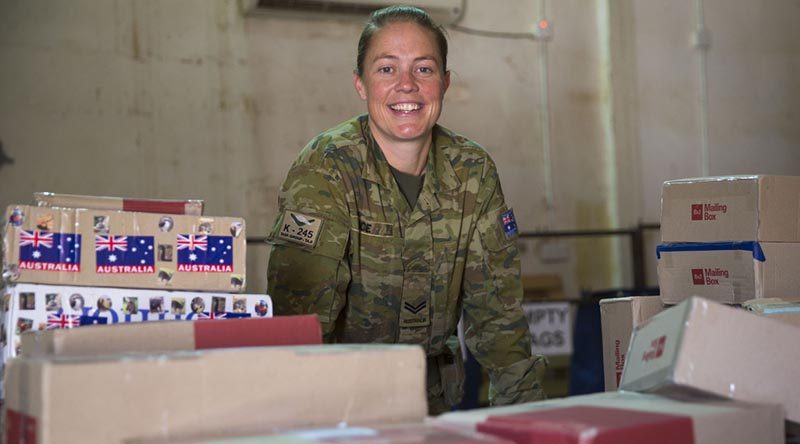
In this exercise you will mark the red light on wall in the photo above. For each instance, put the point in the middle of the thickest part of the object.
(543, 24)
(543, 30)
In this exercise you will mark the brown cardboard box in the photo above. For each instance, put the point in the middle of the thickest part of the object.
(114, 398)
(627, 418)
(542, 287)
(31, 307)
(619, 316)
(165, 206)
(729, 272)
(704, 346)
(731, 208)
(123, 249)
(160, 337)
(780, 310)
(414, 433)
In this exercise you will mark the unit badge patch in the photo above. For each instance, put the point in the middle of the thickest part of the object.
(300, 228)
(509, 223)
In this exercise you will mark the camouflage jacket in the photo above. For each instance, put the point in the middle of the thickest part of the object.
(347, 246)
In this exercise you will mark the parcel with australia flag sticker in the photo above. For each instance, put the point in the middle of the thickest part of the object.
(111, 248)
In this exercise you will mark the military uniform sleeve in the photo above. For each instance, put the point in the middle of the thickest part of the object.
(496, 330)
(308, 271)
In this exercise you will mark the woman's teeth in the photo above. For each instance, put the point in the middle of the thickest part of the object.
(405, 107)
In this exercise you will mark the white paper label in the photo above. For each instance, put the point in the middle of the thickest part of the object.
(550, 326)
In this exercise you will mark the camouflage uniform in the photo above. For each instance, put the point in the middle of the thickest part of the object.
(347, 246)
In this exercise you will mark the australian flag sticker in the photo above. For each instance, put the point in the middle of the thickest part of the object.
(509, 223)
(124, 254)
(46, 251)
(204, 253)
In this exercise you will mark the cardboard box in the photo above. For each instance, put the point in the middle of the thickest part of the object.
(704, 346)
(619, 316)
(165, 206)
(30, 307)
(627, 418)
(114, 398)
(415, 433)
(780, 310)
(731, 208)
(542, 287)
(729, 272)
(169, 336)
(122, 249)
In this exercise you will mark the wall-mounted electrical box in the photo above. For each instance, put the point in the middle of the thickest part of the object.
(444, 12)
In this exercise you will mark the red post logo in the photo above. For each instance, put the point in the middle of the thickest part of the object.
(697, 211)
(698, 277)
(656, 349)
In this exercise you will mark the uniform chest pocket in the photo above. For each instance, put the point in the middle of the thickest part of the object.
(377, 263)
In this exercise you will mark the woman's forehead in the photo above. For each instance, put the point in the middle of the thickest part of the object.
(404, 38)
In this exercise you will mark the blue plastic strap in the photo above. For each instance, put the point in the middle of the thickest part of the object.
(754, 246)
(781, 309)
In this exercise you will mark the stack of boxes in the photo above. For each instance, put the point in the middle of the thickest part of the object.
(699, 371)
(730, 239)
(75, 261)
(725, 240)
(733, 239)
(82, 260)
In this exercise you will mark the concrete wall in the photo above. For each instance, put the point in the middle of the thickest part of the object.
(188, 98)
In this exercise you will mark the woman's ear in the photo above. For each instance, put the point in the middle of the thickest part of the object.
(359, 85)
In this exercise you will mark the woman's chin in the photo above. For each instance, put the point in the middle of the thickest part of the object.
(411, 133)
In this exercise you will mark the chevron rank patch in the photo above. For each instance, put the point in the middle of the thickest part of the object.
(300, 228)
(415, 313)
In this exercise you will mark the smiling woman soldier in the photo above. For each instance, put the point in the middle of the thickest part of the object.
(390, 226)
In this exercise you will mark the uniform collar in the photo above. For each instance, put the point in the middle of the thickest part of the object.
(439, 172)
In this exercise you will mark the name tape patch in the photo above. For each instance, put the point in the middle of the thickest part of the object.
(509, 223)
(300, 228)
(375, 228)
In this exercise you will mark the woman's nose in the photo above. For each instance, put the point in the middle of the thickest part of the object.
(406, 82)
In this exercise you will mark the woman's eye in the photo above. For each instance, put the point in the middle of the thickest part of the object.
(425, 69)
(385, 69)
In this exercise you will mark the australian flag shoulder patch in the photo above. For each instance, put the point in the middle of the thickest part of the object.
(509, 224)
